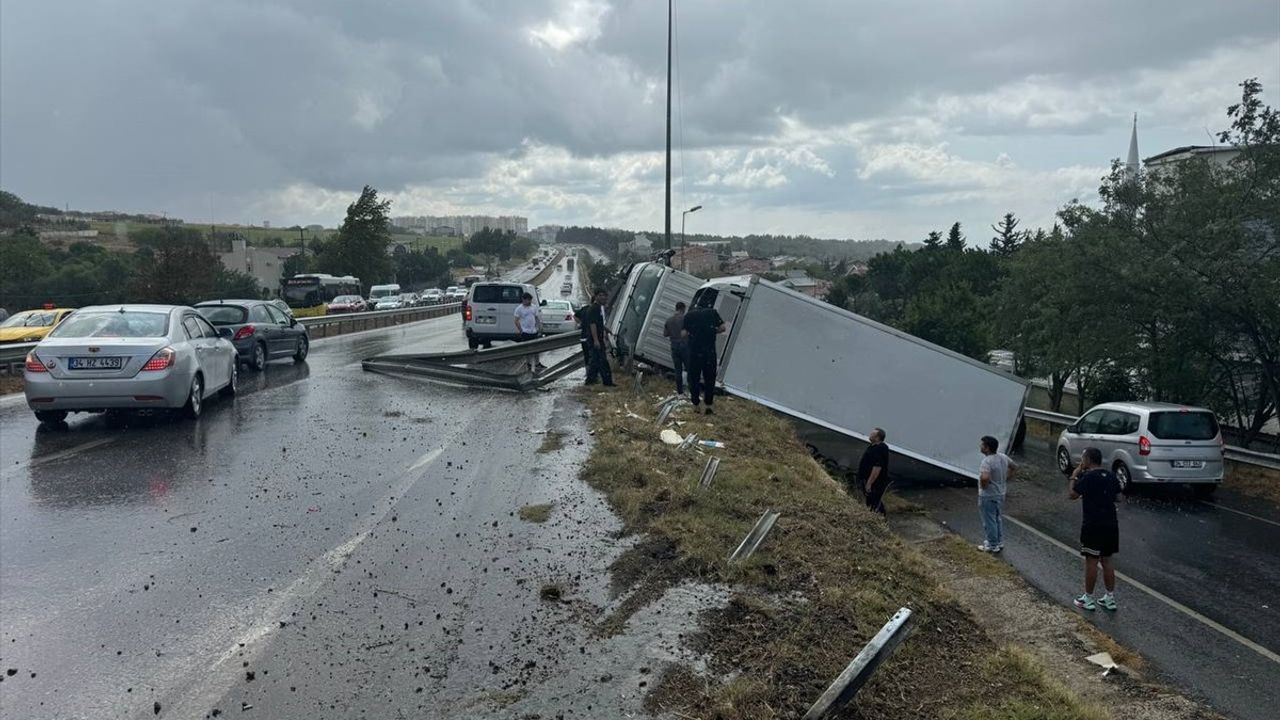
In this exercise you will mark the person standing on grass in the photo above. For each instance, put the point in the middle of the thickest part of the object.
(993, 478)
(873, 470)
(674, 331)
(599, 365)
(528, 321)
(1096, 489)
(701, 326)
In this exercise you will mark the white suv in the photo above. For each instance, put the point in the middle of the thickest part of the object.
(489, 312)
(1144, 442)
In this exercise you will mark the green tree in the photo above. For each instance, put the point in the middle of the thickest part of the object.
(933, 241)
(23, 261)
(175, 265)
(233, 284)
(955, 239)
(1007, 237)
(360, 246)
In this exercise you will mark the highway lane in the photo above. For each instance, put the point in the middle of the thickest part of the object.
(1207, 616)
(307, 549)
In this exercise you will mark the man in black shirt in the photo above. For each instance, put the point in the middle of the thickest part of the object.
(701, 325)
(673, 330)
(873, 470)
(598, 364)
(1096, 489)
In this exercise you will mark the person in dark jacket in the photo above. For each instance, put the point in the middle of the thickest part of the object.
(598, 364)
(873, 471)
(673, 330)
(701, 326)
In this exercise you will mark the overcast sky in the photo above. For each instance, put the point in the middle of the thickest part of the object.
(826, 117)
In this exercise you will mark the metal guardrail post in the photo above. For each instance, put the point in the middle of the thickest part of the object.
(848, 683)
(753, 539)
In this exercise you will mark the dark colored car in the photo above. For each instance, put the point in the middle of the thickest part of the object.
(346, 304)
(259, 330)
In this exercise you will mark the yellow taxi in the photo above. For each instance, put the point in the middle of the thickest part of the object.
(31, 325)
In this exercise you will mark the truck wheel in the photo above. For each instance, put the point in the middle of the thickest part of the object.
(51, 417)
(471, 343)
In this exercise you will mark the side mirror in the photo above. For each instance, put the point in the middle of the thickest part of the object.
(225, 332)
(293, 321)
(1073, 428)
(543, 303)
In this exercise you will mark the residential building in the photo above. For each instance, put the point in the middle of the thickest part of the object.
(1216, 154)
(546, 233)
(749, 266)
(640, 246)
(696, 260)
(463, 225)
(266, 265)
(801, 282)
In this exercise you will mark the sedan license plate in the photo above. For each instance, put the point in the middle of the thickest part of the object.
(486, 320)
(95, 363)
(1188, 463)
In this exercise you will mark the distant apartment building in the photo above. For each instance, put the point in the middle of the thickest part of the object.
(640, 246)
(696, 260)
(1216, 154)
(266, 265)
(546, 233)
(462, 225)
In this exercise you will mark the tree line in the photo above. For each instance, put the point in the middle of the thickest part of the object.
(1170, 291)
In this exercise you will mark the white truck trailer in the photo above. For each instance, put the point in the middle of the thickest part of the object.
(837, 373)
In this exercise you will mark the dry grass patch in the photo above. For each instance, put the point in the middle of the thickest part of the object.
(535, 513)
(822, 584)
(1254, 481)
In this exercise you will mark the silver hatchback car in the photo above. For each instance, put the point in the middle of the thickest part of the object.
(114, 357)
(1146, 442)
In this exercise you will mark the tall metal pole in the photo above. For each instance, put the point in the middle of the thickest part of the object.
(667, 212)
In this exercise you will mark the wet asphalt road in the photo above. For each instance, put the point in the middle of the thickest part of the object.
(1219, 561)
(332, 543)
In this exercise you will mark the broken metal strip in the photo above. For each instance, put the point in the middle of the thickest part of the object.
(507, 352)
(753, 539)
(848, 683)
(709, 472)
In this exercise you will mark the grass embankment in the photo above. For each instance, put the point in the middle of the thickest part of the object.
(821, 585)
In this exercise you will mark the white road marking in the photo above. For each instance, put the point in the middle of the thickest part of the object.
(276, 606)
(1264, 652)
(51, 457)
(1240, 512)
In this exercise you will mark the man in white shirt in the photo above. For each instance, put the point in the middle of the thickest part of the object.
(993, 479)
(528, 320)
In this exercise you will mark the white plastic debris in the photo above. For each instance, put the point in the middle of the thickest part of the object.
(670, 437)
(1105, 661)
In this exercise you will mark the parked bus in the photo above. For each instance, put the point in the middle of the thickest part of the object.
(310, 293)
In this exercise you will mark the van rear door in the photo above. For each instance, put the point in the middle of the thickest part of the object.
(1186, 445)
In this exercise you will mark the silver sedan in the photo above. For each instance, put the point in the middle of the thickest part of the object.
(114, 357)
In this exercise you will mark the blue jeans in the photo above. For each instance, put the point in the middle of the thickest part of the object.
(992, 509)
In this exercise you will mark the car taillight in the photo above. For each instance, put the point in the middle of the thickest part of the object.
(466, 312)
(1144, 445)
(162, 360)
(34, 364)
(244, 332)
(1222, 445)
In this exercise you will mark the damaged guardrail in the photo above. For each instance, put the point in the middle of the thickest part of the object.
(463, 366)
(848, 683)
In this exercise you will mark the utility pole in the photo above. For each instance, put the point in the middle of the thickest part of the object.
(667, 211)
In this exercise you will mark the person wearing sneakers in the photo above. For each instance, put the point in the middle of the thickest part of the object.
(1096, 489)
(701, 326)
(993, 479)
(528, 319)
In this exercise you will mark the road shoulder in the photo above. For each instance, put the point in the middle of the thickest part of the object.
(1016, 614)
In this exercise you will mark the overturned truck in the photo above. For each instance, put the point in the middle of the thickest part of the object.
(836, 373)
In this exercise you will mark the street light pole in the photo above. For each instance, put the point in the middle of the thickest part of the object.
(667, 211)
(684, 262)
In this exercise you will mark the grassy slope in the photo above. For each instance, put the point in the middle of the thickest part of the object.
(822, 584)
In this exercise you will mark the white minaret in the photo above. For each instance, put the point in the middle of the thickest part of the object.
(1131, 165)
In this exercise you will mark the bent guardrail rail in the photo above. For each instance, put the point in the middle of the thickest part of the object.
(462, 366)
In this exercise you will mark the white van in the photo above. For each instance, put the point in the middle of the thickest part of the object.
(489, 312)
(378, 293)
